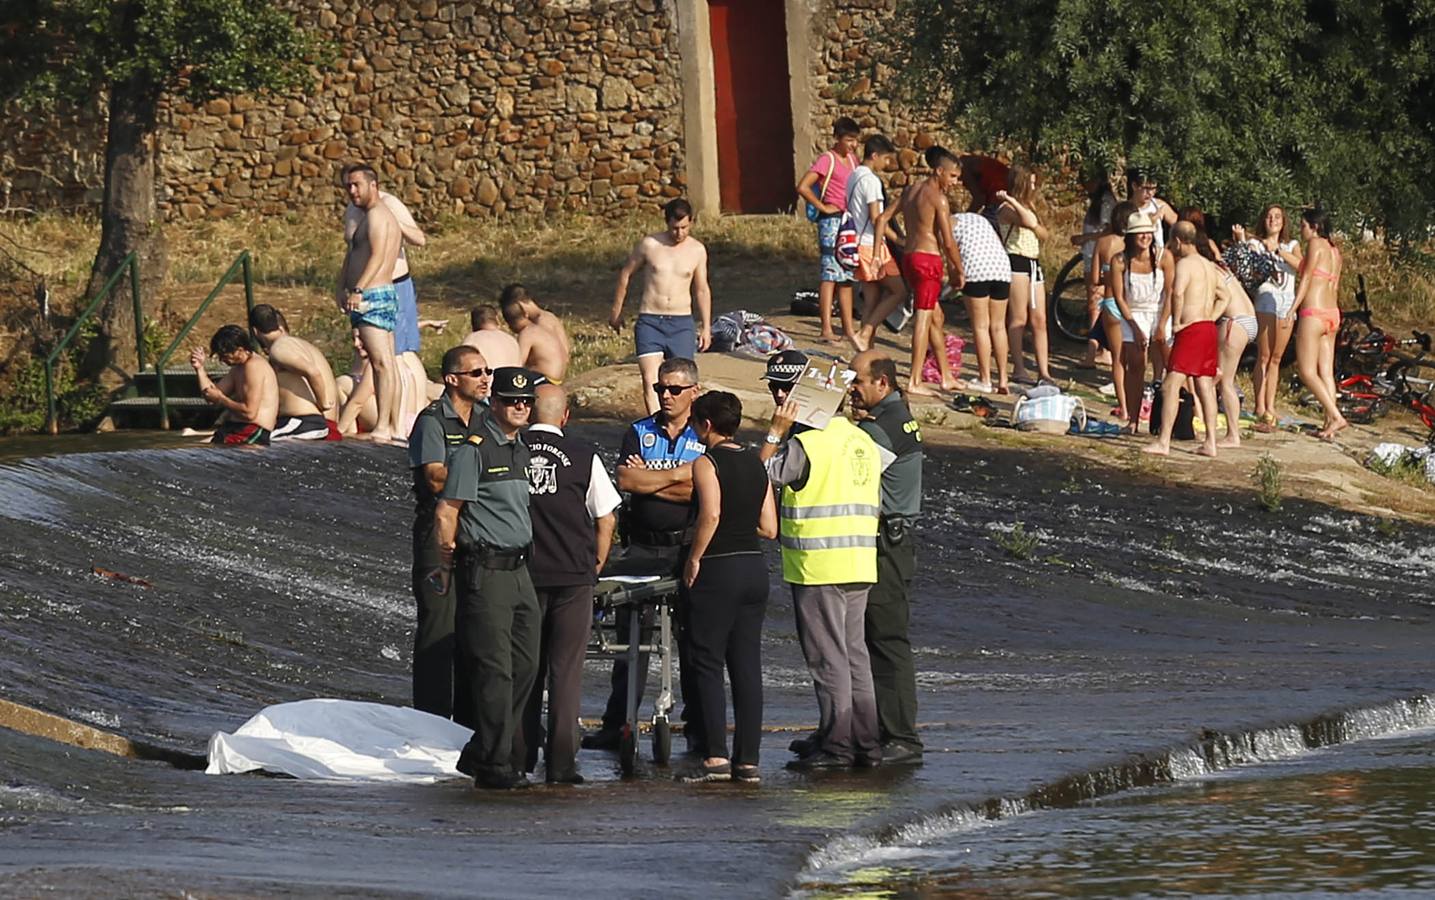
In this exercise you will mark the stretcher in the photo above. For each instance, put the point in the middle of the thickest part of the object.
(659, 597)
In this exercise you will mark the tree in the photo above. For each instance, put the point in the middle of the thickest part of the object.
(1235, 104)
(132, 53)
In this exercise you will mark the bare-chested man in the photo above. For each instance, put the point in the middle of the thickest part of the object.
(928, 244)
(677, 277)
(542, 340)
(1193, 308)
(407, 323)
(308, 396)
(248, 393)
(366, 292)
(488, 337)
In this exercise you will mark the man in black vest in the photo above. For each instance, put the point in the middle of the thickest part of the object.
(572, 502)
(889, 422)
(439, 683)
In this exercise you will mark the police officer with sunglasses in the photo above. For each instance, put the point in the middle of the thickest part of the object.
(485, 536)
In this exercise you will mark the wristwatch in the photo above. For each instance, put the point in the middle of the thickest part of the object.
(772, 438)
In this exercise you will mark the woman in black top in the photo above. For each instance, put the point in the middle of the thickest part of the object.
(727, 588)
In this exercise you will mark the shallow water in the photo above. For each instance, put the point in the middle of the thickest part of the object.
(1355, 817)
(1147, 617)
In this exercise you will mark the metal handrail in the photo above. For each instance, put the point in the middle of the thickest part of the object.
(241, 262)
(130, 262)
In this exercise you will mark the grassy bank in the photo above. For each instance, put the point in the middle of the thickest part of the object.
(569, 262)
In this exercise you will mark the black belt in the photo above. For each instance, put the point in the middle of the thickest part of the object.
(661, 538)
(497, 559)
(402, 278)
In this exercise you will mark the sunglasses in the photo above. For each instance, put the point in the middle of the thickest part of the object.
(475, 373)
(515, 401)
(673, 389)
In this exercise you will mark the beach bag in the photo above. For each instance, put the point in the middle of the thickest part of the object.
(730, 329)
(813, 213)
(766, 339)
(930, 371)
(846, 247)
(1185, 428)
(1251, 267)
(1052, 414)
(805, 303)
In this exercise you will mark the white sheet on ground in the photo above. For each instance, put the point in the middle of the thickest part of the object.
(341, 740)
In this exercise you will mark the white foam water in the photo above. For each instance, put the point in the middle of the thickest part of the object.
(1213, 753)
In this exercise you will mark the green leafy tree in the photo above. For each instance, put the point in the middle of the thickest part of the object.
(1235, 104)
(130, 54)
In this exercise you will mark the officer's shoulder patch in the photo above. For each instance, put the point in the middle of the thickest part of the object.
(475, 439)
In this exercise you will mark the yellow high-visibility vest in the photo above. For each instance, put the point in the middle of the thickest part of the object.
(828, 528)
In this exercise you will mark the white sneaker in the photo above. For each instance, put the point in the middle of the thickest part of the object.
(1108, 390)
(898, 318)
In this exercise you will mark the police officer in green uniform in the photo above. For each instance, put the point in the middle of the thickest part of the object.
(485, 534)
(889, 422)
(440, 687)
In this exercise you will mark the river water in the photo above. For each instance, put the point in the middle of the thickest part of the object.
(1154, 673)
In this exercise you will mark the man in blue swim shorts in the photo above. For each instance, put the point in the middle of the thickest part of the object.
(677, 277)
(366, 292)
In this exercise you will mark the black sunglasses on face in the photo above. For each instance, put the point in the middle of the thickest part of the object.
(475, 373)
(674, 389)
(515, 401)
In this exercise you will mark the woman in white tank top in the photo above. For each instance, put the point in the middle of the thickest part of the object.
(1140, 280)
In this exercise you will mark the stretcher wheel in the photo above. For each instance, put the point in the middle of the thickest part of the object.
(662, 741)
(628, 750)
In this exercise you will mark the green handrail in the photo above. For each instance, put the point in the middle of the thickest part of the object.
(131, 262)
(241, 263)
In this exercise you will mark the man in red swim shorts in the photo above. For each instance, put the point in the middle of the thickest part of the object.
(929, 243)
(1194, 307)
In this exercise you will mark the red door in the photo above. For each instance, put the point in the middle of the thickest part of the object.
(754, 109)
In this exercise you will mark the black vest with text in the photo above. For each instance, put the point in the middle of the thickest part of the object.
(564, 545)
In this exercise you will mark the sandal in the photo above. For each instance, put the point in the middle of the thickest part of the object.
(746, 774)
(706, 773)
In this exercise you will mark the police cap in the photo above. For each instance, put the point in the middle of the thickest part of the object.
(515, 381)
(785, 367)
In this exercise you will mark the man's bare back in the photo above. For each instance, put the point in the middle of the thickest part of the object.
(297, 365)
(499, 348)
(542, 351)
(1194, 296)
(555, 325)
(920, 214)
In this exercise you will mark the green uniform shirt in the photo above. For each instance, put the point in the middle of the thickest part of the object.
(490, 474)
(891, 425)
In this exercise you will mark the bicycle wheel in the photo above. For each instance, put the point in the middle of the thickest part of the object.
(1066, 301)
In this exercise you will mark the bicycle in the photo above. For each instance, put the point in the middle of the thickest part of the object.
(1066, 301)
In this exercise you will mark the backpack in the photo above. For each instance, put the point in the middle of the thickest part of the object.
(1185, 427)
(846, 248)
(1251, 267)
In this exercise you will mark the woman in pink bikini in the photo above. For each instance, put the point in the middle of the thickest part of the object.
(1318, 318)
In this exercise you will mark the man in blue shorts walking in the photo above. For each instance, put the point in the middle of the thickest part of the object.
(677, 265)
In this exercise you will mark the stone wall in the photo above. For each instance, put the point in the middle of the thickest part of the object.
(477, 107)
(482, 107)
(850, 78)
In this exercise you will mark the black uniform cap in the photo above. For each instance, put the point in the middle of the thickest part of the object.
(515, 381)
(785, 367)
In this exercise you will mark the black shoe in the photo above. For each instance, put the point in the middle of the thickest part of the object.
(707, 773)
(466, 766)
(602, 739)
(504, 781)
(746, 774)
(821, 760)
(803, 745)
(568, 778)
(895, 754)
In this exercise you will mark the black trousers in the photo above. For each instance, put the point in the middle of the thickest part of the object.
(567, 623)
(440, 682)
(894, 675)
(725, 609)
(500, 635)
